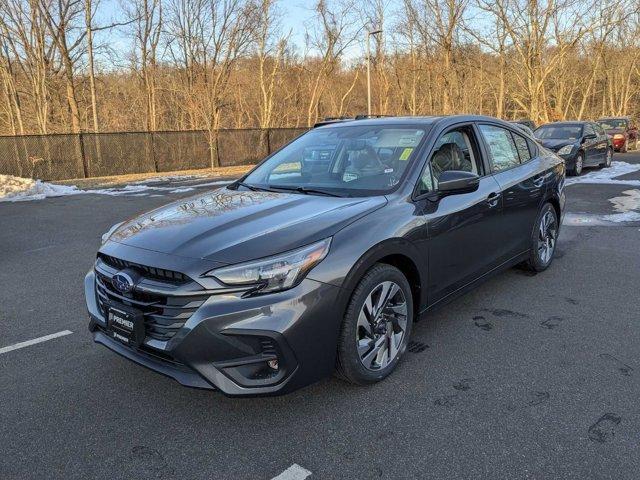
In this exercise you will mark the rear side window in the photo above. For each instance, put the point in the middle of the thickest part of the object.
(522, 147)
(502, 148)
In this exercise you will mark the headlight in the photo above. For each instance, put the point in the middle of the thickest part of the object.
(565, 150)
(276, 273)
(113, 228)
(618, 136)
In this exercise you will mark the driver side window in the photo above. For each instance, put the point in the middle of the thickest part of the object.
(453, 151)
(588, 129)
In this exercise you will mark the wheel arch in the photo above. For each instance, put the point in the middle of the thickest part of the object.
(555, 203)
(397, 252)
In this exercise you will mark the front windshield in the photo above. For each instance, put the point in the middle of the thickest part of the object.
(564, 132)
(613, 123)
(344, 160)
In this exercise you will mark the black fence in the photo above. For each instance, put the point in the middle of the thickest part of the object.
(84, 155)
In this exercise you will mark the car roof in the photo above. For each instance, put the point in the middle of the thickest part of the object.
(566, 123)
(412, 121)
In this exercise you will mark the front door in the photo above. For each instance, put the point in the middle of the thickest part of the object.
(460, 234)
(592, 146)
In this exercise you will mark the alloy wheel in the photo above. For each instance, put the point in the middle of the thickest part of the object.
(578, 169)
(547, 233)
(382, 324)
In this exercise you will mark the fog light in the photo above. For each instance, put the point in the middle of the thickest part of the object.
(273, 364)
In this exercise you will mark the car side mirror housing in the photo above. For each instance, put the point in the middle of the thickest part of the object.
(457, 181)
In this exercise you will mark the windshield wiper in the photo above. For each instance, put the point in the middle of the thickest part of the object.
(253, 188)
(305, 190)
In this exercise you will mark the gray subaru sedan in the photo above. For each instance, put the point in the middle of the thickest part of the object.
(320, 259)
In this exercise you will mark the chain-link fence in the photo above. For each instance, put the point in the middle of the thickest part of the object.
(66, 156)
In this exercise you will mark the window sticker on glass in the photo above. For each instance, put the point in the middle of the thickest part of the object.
(408, 141)
(406, 153)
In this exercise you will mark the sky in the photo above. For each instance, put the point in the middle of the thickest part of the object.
(294, 15)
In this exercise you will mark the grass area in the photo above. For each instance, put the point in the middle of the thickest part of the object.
(117, 180)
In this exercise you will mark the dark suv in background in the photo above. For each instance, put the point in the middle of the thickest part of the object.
(579, 144)
(623, 132)
(321, 257)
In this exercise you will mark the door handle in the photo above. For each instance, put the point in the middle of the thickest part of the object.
(493, 199)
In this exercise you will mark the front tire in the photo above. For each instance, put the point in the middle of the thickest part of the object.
(579, 165)
(543, 239)
(376, 326)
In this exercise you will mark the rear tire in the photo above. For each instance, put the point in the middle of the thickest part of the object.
(378, 318)
(543, 239)
(608, 158)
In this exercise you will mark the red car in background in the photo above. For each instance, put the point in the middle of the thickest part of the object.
(623, 132)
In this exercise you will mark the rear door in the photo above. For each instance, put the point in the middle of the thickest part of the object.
(521, 174)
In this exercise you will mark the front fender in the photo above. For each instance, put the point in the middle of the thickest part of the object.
(361, 245)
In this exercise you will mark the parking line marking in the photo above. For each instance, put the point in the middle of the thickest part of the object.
(35, 341)
(294, 472)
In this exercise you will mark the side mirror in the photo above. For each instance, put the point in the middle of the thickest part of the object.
(458, 181)
(589, 136)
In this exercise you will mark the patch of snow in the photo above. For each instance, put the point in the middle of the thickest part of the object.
(629, 201)
(17, 189)
(629, 216)
(590, 219)
(608, 175)
(172, 178)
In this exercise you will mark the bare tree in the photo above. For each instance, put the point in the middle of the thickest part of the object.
(327, 37)
(61, 18)
(213, 64)
(211, 36)
(271, 50)
(439, 24)
(29, 53)
(146, 19)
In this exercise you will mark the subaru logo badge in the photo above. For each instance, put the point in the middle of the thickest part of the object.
(122, 282)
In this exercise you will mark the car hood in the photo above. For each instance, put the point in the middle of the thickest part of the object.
(556, 143)
(229, 226)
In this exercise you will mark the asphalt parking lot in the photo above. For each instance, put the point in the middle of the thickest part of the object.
(526, 377)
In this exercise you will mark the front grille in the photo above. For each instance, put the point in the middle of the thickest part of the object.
(166, 305)
(149, 272)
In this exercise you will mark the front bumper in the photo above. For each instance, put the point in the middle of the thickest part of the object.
(569, 160)
(226, 343)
